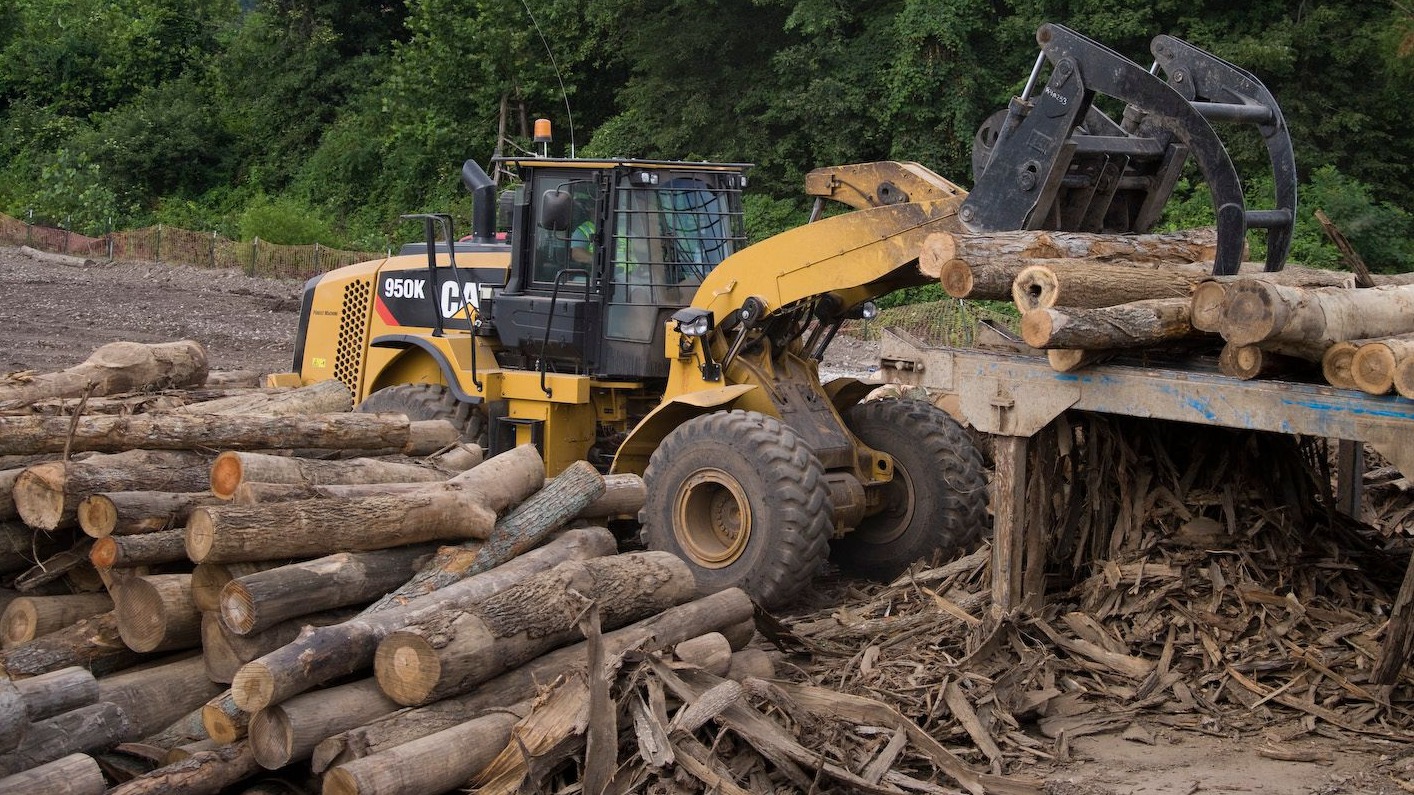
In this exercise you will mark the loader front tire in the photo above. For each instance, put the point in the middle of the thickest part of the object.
(937, 501)
(427, 402)
(743, 500)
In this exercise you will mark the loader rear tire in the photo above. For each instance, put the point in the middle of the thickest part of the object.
(742, 499)
(427, 402)
(937, 502)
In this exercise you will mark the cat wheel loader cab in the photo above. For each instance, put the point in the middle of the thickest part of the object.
(623, 320)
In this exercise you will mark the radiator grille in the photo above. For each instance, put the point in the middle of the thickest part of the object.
(348, 362)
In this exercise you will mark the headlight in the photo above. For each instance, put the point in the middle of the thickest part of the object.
(868, 310)
(693, 322)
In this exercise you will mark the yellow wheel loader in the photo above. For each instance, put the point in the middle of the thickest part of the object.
(625, 321)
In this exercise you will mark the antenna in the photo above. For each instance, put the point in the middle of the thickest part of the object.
(568, 114)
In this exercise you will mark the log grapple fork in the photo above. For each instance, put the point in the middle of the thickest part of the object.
(1053, 160)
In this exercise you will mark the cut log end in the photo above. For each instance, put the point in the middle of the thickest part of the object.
(1207, 306)
(407, 668)
(221, 726)
(1404, 378)
(237, 608)
(227, 473)
(1336, 364)
(956, 278)
(271, 738)
(1251, 313)
(340, 782)
(1242, 361)
(1036, 287)
(39, 496)
(98, 516)
(1036, 327)
(1372, 368)
(201, 535)
(21, 621)
(253, 687)
(104, 552)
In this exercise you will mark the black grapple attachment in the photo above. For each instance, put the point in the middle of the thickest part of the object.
(1053, 160)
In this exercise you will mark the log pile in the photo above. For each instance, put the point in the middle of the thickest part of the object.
(1084, 299)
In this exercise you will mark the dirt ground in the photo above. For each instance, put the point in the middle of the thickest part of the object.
(53, 315)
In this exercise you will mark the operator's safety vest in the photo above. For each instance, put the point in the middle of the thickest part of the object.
(585, 232)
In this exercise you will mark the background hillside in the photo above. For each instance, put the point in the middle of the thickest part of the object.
(322, 121)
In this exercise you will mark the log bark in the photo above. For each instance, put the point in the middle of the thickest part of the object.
(232, 468)
(623, 495)
(1068, 360)
(68, 564)
(224, 721)
(668, 628)
(75, 774)
(252, 493)
(323, 397)
(134, 512)
(1377, 361)
(114, 368)
(225, 652)
(28, 617)
(233, 379)
(183, 731)
(448, 654)
(521, 530)
(148, 549)
(155, 697)
(93, 643)
(7, 488)
(711, 652)
(156, 613)
(1255, 311)
(107, 434)
(325, 653)
(288, 732)
(1131, 325)
(56, 692)
(202, 773)
(262, 600)
(96, 727)
(1084, 284)
(47, 496)
(423, 766)
(1404, 378)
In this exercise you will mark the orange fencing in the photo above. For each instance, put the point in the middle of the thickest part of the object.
(163, 243)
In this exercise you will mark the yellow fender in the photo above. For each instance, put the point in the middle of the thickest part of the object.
(648, 434)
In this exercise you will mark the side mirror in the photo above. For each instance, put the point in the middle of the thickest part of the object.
(556, 210)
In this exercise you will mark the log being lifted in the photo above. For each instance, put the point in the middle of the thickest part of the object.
(306, 528)
(1131, 325)
(233, 468)
(1260, 311)
(75, 774)
(114, 368)
(322, 397)
(325, 653)
(262, 600)
(47, 496)
(28, 617)
(107, 434)
(450, 653)
(133, 512)
(668, 628)
(93, 643)
(1083, 284)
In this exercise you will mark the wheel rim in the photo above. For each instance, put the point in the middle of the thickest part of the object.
(712, 518)
(894, 517)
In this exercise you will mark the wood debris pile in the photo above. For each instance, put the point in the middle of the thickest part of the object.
(1192, 588)
(1086, 298)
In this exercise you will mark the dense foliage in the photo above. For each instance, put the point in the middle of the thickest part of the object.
(301, 120)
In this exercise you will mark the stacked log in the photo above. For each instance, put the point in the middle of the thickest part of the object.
(1085, 299)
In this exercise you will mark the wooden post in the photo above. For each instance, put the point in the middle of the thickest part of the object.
(1008, 522)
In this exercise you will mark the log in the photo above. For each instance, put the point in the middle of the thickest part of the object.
(28, 617)
(134, 512)
(1404, 378)
(323, 397)
(262, 600)
(114, 368)
(180, 752)
(1249, 362)
(448, 654)
(88, 729)
(184, 731)
(288, 732)
(18, 545)
(252, 493)
(75, 774)
(7, 487)
(155, 697)
(13, 720)
(624, 494)
(307, 528)
(1084, 284)
(424, 766)
(1257, 311)
(668, 628)
(56, 692)
(1377, 361)
(225, 652)
(93, 643)
(224, 721)
(108, 434)
(47, 496)
(65, 564)
(1337, 362)
(202, 773)
(232, 468)
(522, 529)
(156, 613)
(1132, 325)
(233, 379)
(1068, 360)
(207, 580)
(711, 652)
(325, 653)
(148, 549)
